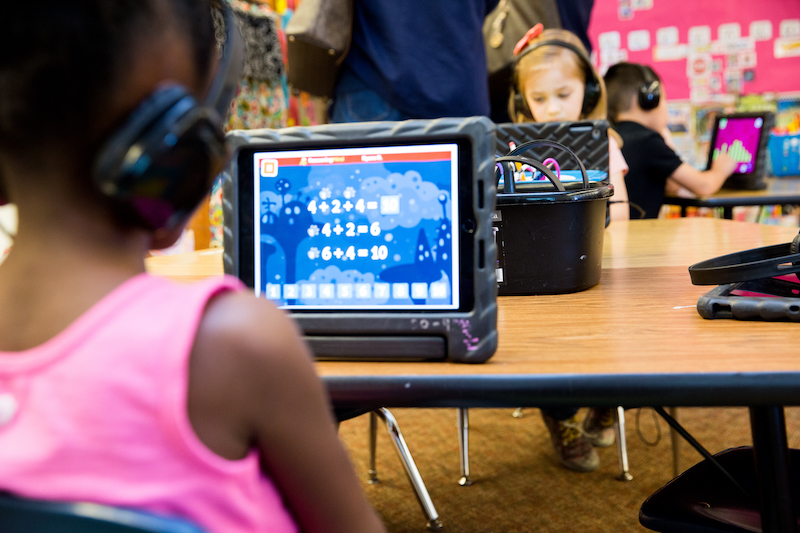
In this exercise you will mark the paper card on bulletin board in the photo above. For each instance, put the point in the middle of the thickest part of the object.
(704, 48)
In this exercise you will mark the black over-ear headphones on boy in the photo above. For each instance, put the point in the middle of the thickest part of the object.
(591, 93)
(649, 90)
(164, 158)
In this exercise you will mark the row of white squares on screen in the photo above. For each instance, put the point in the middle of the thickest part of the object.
(358, 291)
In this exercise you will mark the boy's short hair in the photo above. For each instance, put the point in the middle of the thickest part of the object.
(60, 62)
(622, 83)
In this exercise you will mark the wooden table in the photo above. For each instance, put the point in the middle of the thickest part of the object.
(779, 191)
(634, 339)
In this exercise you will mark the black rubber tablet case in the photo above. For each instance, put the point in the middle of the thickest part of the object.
(464, 337)
(752, 271)
(780, 303)
(587, 138)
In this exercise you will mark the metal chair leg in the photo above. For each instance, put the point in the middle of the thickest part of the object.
(676, 443)
(463, 445)
(373, 444)
(411, 469)
(622, 444)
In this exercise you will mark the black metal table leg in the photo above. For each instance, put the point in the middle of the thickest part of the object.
(768, 426)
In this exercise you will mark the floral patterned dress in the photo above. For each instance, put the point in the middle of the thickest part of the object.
(262, 100)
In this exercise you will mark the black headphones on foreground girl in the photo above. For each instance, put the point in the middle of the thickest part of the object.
(161, 162)
(591, 92)
(758, 263)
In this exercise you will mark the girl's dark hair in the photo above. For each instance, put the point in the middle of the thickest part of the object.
(60, 60)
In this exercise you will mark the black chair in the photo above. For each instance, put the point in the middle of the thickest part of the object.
(22, 515)
(704, 500)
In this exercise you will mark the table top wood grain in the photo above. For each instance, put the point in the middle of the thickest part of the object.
(638, 324)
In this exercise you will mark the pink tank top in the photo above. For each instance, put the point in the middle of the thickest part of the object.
(98, 413)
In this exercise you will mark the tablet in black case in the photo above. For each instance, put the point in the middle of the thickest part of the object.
(743, 136)
(587, 138)
(376, 236)
(768, 299)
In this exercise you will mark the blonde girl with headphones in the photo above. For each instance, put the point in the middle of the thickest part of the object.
(554, 81)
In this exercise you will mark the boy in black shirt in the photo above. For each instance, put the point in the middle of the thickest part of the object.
(637, 106)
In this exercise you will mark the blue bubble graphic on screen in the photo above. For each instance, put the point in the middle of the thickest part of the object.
(358, 234)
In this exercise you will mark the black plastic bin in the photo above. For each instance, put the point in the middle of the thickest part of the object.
(550, 242)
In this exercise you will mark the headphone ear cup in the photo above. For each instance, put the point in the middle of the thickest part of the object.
(591, 96)
(162, 161)
(795, 246)
(649, 95)
(521, 106)
(110, 159)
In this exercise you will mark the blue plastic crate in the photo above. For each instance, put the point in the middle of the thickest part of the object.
(784, 153)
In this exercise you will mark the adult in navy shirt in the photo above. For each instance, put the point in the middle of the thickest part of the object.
(414, 59)
(575, 16)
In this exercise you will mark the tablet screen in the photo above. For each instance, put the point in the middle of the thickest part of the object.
(357, 228)
(739, 137)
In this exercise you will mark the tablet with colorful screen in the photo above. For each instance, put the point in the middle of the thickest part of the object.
(368, 232)
(742, 137)
(372, 226)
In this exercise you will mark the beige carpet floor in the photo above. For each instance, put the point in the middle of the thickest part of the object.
(518, 484)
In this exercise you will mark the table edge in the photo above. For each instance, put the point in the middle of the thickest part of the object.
(544, 390)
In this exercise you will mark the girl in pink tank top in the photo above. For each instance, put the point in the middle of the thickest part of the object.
(118, 387)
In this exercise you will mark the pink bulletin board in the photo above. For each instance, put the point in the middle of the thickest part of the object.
(703, 49)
